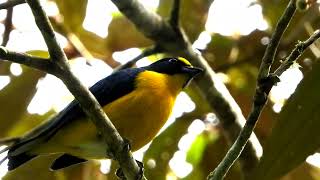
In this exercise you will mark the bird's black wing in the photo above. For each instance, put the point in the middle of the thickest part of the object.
(105, 91)
(64, 161)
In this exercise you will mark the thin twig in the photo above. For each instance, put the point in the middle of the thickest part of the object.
(145, 53)
(175, 11)
(11, 3)
(42, 21)
(295, 54)
(271, 50)
(265, 83)
(41, 64)
(7, 26)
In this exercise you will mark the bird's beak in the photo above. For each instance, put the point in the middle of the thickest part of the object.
(192, 72)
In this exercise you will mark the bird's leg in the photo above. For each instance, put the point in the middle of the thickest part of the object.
(119, 172)
(121, 176)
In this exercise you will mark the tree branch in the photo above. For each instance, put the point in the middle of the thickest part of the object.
(11, 3)
(271, 50)
(175, 11)
(265, 82)
(7, 26)
(211, 87)
(41, 64)
(44, 25)
(296, 52)
(117, 147)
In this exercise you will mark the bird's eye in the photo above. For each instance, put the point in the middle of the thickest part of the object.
(173, 60)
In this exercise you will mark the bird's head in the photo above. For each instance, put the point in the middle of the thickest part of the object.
(176, 66)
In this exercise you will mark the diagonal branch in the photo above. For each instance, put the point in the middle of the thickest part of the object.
(42, 21)
(117, 147)
(175, 11)
(271, 50)
(264, 85)
(7, 26)
(11, 3)
(296, 52)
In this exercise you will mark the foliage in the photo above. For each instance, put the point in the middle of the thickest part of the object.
(288, 138)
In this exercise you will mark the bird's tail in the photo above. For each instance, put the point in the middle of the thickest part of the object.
(18, 158)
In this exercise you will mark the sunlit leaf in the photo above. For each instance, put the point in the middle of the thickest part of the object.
(28, 122)
(73, 12)
(39, 53)
(196, 151)
(16, 96)
(120, 38)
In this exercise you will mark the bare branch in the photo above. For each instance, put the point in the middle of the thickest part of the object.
(175, 11)
(296, 52)
(41, 64)
(265, 83)
(7, 26)
(42, 21)
(271, 50)
(117, 147)
(11, 3)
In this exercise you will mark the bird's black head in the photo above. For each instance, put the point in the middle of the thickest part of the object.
(175, 66)
(172, 66)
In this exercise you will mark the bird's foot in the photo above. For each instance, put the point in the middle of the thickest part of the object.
(121, 175)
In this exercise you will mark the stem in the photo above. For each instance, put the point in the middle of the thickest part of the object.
(264, 84)
(11, 3)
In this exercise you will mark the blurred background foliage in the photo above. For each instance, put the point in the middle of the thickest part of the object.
(231, 35)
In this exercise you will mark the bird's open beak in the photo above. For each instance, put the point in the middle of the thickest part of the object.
(192, 72)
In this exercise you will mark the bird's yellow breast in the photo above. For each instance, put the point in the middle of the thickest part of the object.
(138, 117)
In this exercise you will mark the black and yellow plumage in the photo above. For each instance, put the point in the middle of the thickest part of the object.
(138, 101)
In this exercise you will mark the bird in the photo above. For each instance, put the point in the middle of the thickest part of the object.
(138, 101)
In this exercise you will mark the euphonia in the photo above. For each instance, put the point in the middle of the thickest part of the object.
(138, 101)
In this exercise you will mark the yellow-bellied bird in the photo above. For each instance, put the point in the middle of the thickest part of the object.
(138, 101)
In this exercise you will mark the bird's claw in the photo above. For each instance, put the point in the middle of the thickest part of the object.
(121, 175)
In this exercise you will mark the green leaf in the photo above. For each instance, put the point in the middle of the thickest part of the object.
(16, 96)
(196, 151)
(73, 12)
(39, 53)
(296, 134)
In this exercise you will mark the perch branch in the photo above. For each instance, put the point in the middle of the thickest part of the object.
(7, 27)
(117, 147)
